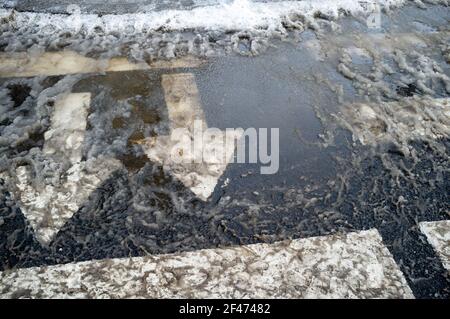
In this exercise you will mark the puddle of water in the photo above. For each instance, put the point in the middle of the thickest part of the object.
(140, 104)
(132, 162)
(118, 122)
(145, 112)
(18, 93)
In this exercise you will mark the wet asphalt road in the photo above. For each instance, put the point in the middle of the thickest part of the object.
(327, 182)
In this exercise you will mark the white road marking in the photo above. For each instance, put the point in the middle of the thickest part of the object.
(199, 168)
(68, 126)
(69, 62)
(438, 234)
(48, 205)
(354, 265)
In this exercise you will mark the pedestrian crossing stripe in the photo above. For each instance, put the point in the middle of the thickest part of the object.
(353, 265)
(438, 235)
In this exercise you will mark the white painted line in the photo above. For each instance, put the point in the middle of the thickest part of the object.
(438, 234)
(355, 265)
(198, 168)
(68, 126)
(69, 62)
(47, 205)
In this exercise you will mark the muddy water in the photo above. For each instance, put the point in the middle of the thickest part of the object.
(349, 104)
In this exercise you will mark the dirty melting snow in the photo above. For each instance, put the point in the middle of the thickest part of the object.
(239, 15)
(247, 24)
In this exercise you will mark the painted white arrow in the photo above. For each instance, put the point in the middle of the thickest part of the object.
(46, 204)
(194, 154)
(49, 204)
(438, 235)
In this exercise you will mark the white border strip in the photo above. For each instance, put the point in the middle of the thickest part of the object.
(438, 234)
(70, 62)
(354, 265)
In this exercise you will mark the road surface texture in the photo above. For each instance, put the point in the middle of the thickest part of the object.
(91, 207)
